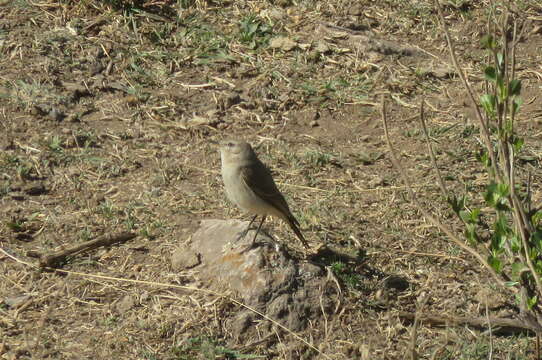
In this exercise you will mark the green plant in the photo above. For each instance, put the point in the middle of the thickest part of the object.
(318, 159)
(501, 229)
(206, 348)
(347, 276)
(55, 144)
(253, 32)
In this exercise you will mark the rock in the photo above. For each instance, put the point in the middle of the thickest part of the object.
(56, 114)
(228, 100)
(395, 282)
(182, 259)
(125, 304)
(283, 43)
(322, 47)
(16, 301)
(264, 276)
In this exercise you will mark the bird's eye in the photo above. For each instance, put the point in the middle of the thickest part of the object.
(230, 144)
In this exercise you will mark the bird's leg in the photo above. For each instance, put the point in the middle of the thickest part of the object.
(255, 235)
(245, 232)
(257, 231)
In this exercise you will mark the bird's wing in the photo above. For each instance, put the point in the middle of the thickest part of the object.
(258, 178)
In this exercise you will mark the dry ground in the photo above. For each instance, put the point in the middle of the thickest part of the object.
(108, 113)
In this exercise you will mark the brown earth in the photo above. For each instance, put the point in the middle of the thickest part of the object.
(109, 113)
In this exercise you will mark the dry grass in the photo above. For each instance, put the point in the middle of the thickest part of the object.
(144, 90)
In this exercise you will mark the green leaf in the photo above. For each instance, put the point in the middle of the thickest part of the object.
(475, 215)
(484, 158)
(515, 243)
(497, 241)
(500, 60)
(532, 302)
(501, 225)
(536, 240)
(489, 103)
(517, 269)
(457, 203)
(470, 234)
(496, 196)
(495, 263)
(490, 74)
(465, 216)
(514, 87)
(511, 283)
(516, 104)
(470, 216)
(488, 42)
(502, 89)
(518, 143)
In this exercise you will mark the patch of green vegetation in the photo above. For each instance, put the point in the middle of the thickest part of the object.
(202, 347)
(107, 209)
(26, 94)
(55, 144)
(340, 90)
(346, 274)
(481, 349)
(16, 225)
(253, 32)
(85, 234)
(433, 132)
(150, 231)
(111, 321)
(200, 40)
(318, 158)
(23, 168)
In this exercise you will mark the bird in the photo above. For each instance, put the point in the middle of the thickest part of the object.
(249, 184)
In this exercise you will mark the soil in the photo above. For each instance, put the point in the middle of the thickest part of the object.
(110, 114)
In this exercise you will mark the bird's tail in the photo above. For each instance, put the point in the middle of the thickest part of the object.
(294, 225)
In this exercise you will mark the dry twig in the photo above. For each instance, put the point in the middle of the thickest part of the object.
(56, 259)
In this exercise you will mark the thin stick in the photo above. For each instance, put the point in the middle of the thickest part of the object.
(414, 331)
(490, 356)
(431, 152)
(57, 258)
(510, 326)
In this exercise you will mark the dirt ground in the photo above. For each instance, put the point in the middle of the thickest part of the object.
(110, 112)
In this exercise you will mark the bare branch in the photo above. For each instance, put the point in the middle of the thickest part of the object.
(431, 152)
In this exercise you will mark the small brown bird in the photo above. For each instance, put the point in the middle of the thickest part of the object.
(250, 186)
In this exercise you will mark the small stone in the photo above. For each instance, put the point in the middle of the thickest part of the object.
(283, 43)
(125, 304)
(36, 189)
(182, 259)
(131, 100)
(322, 48)
(73, 117)
(56, 115)
(16, 301)
(396, 282)
(356, 10)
